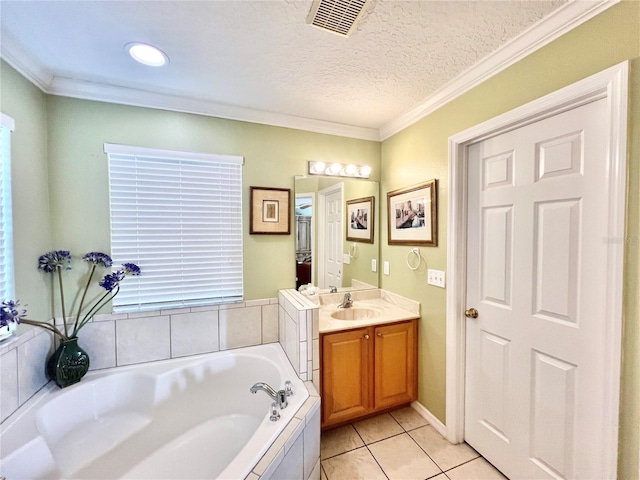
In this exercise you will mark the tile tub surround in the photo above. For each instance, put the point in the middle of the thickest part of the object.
(295, 454)
(298, 321)
(113, 340)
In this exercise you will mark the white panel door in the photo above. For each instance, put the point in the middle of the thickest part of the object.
(333, 240)
(535, 382)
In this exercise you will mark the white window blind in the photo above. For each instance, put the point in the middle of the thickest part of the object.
(6, 212)
(178, 216)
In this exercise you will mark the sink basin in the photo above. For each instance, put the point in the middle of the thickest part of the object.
(354, 313)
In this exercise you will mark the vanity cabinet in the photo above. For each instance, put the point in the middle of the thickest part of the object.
(369, 369)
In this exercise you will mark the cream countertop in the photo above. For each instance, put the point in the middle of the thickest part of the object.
(386, 306)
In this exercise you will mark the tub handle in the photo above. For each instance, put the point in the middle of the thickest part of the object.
(274, 412)
(288, 388)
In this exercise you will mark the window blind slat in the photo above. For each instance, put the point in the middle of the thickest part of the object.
(180, 220)
(6, 224)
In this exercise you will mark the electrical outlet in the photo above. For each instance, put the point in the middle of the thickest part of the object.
(374, 265)
(435, 277)
(385, 268)
(346, 259)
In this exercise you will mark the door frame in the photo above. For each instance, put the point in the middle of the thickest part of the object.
(611, 84)
(314, 217)
(322, 222)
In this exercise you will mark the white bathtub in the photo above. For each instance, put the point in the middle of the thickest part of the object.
(183, 418)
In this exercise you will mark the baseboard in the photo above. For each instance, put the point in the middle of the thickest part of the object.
(431, 418)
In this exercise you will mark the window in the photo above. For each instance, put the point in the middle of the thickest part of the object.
(7, 125)
(178, 216)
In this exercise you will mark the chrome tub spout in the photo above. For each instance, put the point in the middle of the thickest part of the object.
(280, 396)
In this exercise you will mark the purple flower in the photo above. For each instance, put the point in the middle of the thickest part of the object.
(51, 261)
(112, 280)
(9, 312)
(97, 258)
(131, 269)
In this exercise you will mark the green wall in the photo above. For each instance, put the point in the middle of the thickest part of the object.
(24, 102)
(420, 152)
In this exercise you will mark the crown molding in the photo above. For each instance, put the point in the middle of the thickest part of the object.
(15, 55)
(559, 22)
(139, 98)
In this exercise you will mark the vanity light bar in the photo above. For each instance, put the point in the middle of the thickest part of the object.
(339, 170)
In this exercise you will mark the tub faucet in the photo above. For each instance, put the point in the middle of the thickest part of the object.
(280, 396)
(346, 302)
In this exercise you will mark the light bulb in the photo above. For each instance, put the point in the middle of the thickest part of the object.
(334, 169)
(351, 170)
(318, 167)
(365, 171)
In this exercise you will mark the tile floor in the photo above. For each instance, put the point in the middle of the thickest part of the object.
(400, 445)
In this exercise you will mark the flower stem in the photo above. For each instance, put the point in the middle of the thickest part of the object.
(84, 294)
(64, 315)
(46, 326)
(96, 307)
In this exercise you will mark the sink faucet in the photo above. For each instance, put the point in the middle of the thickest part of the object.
(280, 396)
(333, 289)
(346, 302)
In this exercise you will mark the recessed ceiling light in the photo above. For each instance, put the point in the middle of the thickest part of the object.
(146, 54)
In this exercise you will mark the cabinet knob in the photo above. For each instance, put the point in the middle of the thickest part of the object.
(379, 334)
(366, 337)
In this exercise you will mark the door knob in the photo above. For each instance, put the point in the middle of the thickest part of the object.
(471, 313)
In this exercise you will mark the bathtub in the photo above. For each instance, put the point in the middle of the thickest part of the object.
(183, 418)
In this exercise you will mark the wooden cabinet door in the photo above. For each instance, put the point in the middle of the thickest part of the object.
(346, 375)
(396, 375)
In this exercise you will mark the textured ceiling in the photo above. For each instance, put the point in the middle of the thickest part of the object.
(262, 55)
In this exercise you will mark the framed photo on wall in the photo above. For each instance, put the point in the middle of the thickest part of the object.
(269, 211)
(360, 219)
(413, 215)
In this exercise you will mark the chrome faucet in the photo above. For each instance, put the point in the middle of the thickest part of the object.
(333, 289)
(280, 396)
(346, 302)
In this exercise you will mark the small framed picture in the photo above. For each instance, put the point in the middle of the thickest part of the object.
(360, 219)
(270, 211)
(413, 215)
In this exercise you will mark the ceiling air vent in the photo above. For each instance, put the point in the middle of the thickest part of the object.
(336, 16)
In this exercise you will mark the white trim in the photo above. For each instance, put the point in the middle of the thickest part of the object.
(558, 23)
(7, 122)
(139, 98)
(314, 216)
(322, 217)
(15, 55)
(430, 417)
(174, 154)
(611, 84)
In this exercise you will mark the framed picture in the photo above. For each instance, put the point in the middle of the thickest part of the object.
(270, 211)
(413, 215)
(360, 219)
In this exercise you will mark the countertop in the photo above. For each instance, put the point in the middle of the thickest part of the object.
(386, 310)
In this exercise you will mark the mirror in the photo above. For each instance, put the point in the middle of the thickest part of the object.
(323, 255)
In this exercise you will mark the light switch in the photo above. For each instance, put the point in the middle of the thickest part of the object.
(346, 259)
(374, 265)
(435, 277)
(385, 268)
